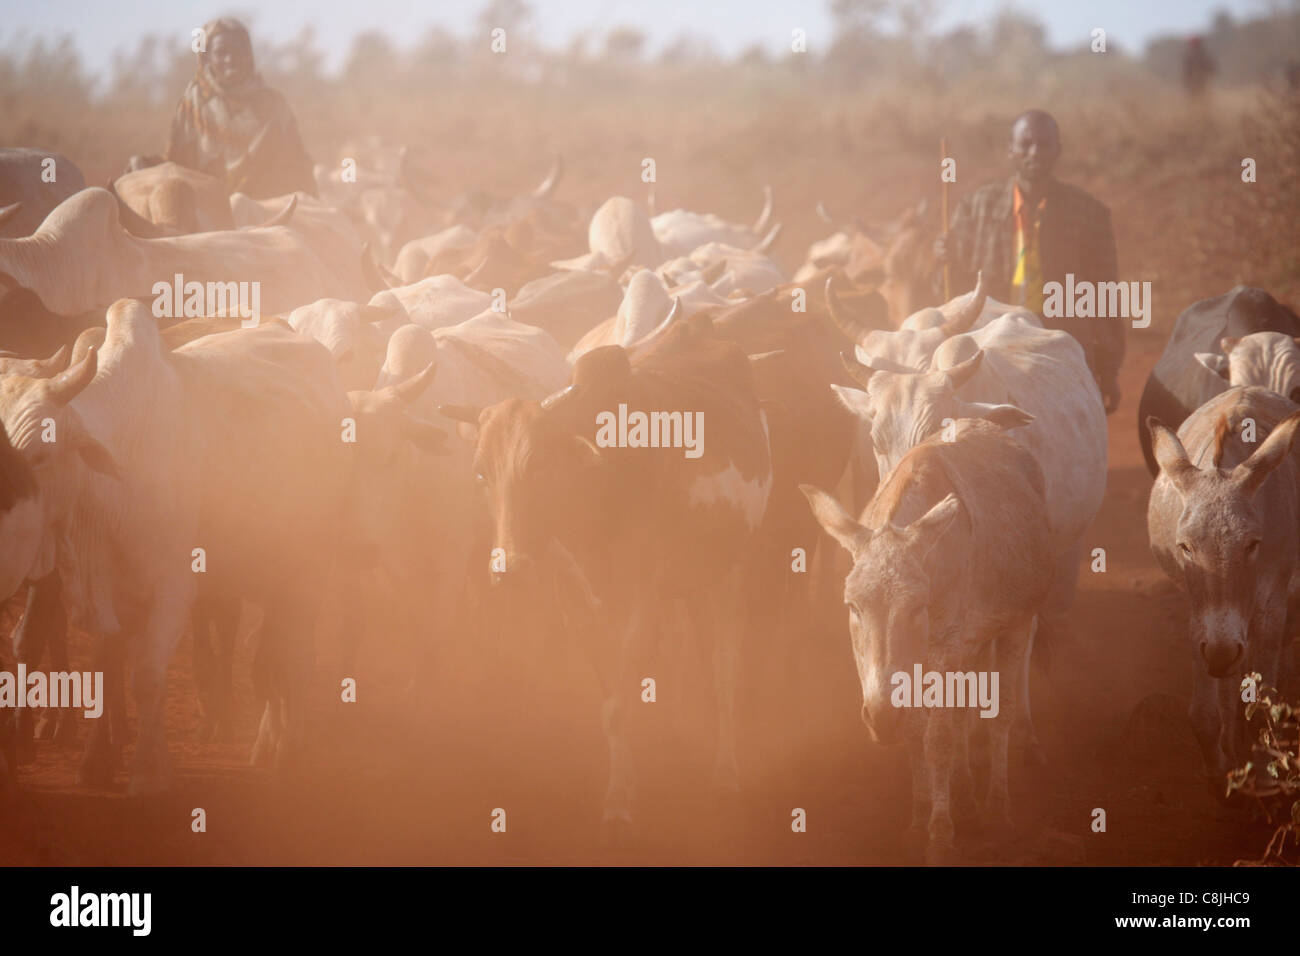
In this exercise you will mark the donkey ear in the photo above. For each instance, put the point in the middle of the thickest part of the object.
(837, 522)
(1250, 474)
(930, 527)
(1170, 454)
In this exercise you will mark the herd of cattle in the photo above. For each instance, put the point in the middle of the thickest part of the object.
(423, 408)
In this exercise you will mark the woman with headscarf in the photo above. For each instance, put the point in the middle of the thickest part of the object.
(230, 124)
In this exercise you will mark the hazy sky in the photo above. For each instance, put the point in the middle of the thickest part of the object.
(99, 28)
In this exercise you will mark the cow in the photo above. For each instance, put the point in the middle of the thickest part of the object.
(646, 305)
(951, 564)
(727, 270)
(32, 183)
(1268, 359)
(1224, 525)
(356, 336)
(81, 259)
(624, 529)
(680, 232)
(1179, 384)
(619, 236)
(435, 302)
(567, 304)
(896, 261)
(229, 444)
(177, 197)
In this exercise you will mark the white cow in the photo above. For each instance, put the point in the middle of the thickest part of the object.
(680, 231)
(81, 258)
(230, 444)
(1267, 359)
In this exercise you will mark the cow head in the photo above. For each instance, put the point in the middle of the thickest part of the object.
(42, 448)
(1222, 543)
(538, 465)
(1267, 359)
(904, 408)
(384, 423)
(888, 594)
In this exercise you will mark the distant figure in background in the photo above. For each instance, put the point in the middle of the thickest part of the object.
(1033, 229)
(1197, 68)
(230, 124)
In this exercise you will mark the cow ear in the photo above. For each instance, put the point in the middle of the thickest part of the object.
(855, 400)
(926, 530)
(1250, 474)
(1170, 454)
(425, 436)
(837, 522)
(96, 456)
(1005, 417)
(587, 450)
(1216, 363)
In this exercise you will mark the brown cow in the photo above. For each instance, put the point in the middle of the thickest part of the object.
(624, 528)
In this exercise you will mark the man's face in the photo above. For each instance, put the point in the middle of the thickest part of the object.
(232, 60)
(1035, 146)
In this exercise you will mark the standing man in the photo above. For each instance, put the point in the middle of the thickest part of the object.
(1032, 229)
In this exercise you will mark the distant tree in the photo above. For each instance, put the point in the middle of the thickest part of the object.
(624, 43)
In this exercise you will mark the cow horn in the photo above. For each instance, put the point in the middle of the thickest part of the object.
(69, 383)
(823, 215)
(375, 274)
(961, 373)
(770, 238)
(713, 273)
(765, 217)
(854, 329)
(409, 390)
(282, 217)
(461, 413)
(8, 212)
(965, 318)
(54, 364)
(563, 394)
(857, 371)
(550, 182)
(674, 314)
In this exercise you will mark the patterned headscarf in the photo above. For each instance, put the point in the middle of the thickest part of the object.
(216, 122)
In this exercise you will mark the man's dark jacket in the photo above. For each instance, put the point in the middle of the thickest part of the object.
(1075, 236)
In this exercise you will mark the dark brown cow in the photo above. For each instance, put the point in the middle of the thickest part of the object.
(624, 530)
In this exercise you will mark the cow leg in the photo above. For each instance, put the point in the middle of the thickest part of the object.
(102, 755)
(287, 639)
(963, 783)
(726, 611)
(940, 730)
(621, 790)
(1023, 730)
(215, 624)
(1053, 618)
(43, 627)
(152, 652)
(1012, 650)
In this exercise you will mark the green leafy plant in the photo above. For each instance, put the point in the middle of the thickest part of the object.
(1272, 776)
